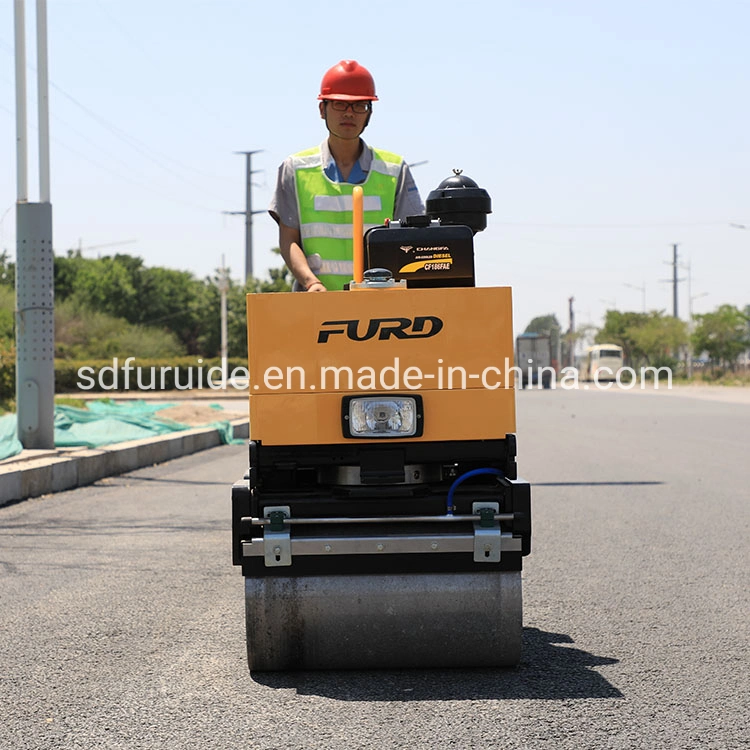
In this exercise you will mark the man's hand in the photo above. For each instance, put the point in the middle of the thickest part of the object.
(316, 286)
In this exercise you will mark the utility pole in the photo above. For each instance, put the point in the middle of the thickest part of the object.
(223, 285)
(248, 212)
(674, 281)
(35, 289)
(571, 332)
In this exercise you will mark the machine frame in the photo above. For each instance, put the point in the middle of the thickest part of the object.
(396, 549)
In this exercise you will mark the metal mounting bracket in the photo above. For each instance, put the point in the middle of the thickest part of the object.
(487, 533)
(277, 543)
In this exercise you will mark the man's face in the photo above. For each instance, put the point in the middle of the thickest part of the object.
(345, 120)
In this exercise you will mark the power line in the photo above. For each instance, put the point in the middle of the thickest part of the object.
(157, 62)
(655, 225)
(137, 145)
(106, 168)
(136, 183)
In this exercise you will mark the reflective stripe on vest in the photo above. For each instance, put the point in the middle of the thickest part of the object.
(325, 209)
(344, 203)
(332, 231)
(336, 267)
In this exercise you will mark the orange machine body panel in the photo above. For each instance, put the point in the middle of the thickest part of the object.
(453, 347)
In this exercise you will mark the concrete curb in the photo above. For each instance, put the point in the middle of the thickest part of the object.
(55, 471)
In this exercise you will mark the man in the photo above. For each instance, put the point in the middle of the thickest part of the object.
(313, 200)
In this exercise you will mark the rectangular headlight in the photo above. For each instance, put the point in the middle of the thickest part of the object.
(394, 416)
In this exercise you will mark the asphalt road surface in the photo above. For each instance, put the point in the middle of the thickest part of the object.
(121, 617)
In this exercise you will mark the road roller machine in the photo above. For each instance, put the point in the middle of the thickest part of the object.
(381, 522)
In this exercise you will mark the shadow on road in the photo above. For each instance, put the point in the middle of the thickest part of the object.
(593, 484)
(128, 479)
(549, 670)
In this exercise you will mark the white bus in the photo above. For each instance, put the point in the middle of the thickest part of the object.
(606, 359)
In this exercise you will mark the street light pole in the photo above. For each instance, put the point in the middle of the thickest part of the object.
(22, 168)
(35, 289)
(43, 99)
(674, 280)
(691, 297)
(641, 289)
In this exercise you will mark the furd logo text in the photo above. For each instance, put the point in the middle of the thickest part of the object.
(382, 329)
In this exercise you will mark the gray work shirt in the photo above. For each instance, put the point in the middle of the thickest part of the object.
(284, 209)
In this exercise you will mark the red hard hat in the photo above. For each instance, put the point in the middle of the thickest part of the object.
(348, 81)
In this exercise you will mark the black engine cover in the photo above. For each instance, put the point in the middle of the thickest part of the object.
(432, 256)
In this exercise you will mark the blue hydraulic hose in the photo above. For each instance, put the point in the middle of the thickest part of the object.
(463, 477)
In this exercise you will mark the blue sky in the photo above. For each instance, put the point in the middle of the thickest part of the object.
(603, 131)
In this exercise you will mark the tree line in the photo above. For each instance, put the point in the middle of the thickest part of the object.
(660, 340)
(116, 305)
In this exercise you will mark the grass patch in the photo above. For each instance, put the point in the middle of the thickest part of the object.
(79, 403)
(739, 379)
(8, 405)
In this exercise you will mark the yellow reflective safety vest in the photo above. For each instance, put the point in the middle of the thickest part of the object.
(325, 211)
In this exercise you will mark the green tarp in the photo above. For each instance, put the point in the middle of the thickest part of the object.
(9, 442)
(105, 423)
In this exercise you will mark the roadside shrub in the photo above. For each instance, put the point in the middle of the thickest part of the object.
(81, 333)
(7, 312)
(7, 370)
